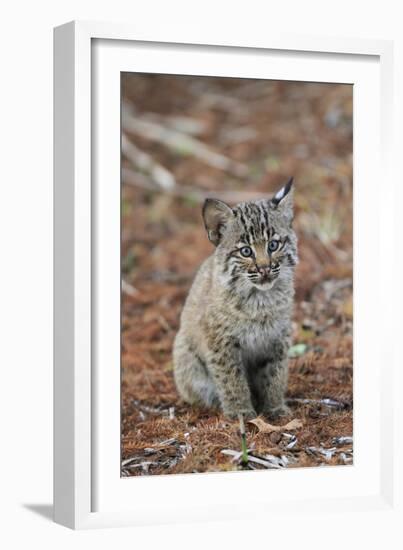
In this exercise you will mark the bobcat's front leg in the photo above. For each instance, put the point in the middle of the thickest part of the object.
(270, 381)
(275, 388)
(226, 368)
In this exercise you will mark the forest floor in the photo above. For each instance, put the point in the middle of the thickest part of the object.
(246, 139)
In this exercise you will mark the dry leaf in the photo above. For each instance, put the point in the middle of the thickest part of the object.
(267, 428)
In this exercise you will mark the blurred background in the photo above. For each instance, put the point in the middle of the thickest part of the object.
(186, 138)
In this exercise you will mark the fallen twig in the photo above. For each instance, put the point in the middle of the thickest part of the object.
(137, 179)
(342, 440)
(184, 124)
(331, 403)
(345, 455)
(292, 440)
(232, 136)
(237, 456)
(181, 142)
(243, 440)
(129, 289)
(166, 411)
(268, 461)
(221, 101)
(145, 162)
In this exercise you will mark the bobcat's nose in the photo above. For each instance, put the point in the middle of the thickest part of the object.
(264, 270)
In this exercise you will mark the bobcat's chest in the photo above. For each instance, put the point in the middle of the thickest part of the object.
(257, 340)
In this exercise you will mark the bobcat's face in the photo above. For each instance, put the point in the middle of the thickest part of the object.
(260, 259)
(255, 241)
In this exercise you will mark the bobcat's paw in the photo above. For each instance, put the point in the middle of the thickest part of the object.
(276, 412)
(234, 413)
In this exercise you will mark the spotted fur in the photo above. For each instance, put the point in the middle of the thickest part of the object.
(231, 349)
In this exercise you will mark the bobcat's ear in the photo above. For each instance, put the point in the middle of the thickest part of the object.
(216, 215)
(283, 200)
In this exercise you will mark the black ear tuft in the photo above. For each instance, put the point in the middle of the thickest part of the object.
(283, 192)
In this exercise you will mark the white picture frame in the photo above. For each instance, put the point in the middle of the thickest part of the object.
(88, 490)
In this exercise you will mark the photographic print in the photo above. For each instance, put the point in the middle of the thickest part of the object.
(236, 272)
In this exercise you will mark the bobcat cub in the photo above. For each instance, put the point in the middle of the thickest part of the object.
(231, 349)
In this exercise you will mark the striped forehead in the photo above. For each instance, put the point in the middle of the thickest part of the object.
(254, 220)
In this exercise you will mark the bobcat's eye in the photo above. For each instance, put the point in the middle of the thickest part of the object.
(273, 245)
(246, 251)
